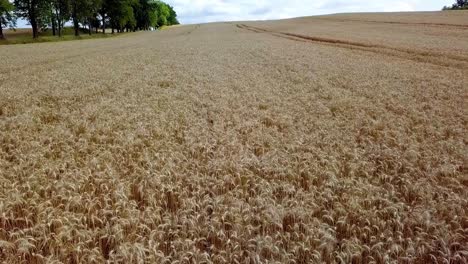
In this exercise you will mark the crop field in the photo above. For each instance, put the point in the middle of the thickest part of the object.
(330, 139)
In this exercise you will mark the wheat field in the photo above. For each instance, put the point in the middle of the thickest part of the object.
(331, 139)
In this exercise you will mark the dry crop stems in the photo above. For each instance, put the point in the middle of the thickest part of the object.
(216, 144)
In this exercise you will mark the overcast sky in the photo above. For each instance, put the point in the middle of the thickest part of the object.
(199, 11)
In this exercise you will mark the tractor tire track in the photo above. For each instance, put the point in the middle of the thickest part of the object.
(458, 26)
(438, 59)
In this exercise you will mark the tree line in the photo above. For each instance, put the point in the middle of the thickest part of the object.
(91, 15)
(459, 4)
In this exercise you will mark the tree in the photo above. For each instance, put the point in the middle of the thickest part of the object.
(46, 16)
(95, 23)
(145, 14)
(121, 14)
(7, 18)
(103, 11)
(163, 12)
(172, 19)
(88, 13)
(166, 14)
(62, 13)
(83, 11)
(462, 4)
(149, 13)
(75, 4)
(459, 4)
(30, 10)
(129, 21)
(80, 12)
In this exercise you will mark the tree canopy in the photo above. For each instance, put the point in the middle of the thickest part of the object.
(7, 18)
(90, 15)
(459, 4)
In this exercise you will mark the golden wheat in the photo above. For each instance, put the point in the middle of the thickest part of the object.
(220, 144)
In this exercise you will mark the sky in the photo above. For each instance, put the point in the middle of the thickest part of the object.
(201, 11)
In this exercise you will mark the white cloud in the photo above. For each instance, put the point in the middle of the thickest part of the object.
(199, 11)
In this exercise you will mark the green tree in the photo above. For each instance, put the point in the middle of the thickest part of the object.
(459, 4)
(172, 19)
(163, 12)
(30, 10)
(121, 14)
(76, 14)
(89, 13)
(84, 12)
(128, 20)
(7, 18)
(62, 13)
(145, 14)
(46, 16)
(103, 13)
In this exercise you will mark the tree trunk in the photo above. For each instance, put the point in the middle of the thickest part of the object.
(112, 30)
(96, 29)
(59, 23)
(52, 16)
(90, 27)
(33, 19)
(76, 26)
(1, 32)
(103, 24)
(34, 28)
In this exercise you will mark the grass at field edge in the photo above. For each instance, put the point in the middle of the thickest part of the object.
(42, 39)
